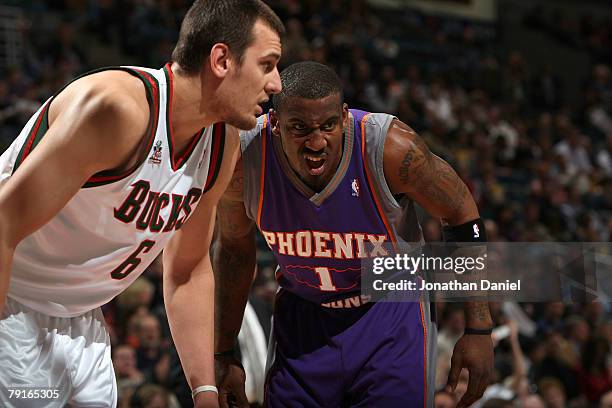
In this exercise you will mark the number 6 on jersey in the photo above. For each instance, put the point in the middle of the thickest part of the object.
(132, 261)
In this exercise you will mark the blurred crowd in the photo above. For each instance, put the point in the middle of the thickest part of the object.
(581, 31)
(538, 164)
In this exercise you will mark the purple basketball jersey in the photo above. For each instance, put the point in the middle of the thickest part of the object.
(320, 239)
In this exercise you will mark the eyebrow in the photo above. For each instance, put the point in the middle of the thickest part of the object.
(274, 55)
(294, 119)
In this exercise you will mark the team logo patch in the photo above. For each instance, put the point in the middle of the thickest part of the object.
(157, 152)
(355, 188)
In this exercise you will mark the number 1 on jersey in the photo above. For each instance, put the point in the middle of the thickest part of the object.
(132, 261)
(326, 281)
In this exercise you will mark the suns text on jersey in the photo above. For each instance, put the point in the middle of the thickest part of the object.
(322, 244)
(144, 206)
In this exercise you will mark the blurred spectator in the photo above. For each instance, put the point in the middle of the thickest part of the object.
(559, 363)
(604, 156)
(573, 151)
(595, 377)
(552, 317)
(532, 401)
(125, 311)
(606, 400)
(438, 106)
(547, 90)
(553, 393)
(151, 396)
(127, 374)
(577, 332)
(152, 353)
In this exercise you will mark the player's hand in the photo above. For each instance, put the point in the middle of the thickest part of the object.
(474, 352)
(206, 400)
(231, 378)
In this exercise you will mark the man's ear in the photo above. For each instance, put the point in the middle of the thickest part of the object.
(220, 60)
(274, 123)
(345, 116)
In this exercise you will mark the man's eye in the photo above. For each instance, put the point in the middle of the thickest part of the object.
(268, 67)
(298, 127)
(328, 126)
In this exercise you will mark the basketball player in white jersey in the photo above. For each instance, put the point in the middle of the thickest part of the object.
(117, 166)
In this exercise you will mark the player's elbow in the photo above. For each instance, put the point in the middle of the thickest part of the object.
(179, 269)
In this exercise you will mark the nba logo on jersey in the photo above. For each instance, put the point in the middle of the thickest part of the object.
(157, 151)
(476, 231)
(355, 188)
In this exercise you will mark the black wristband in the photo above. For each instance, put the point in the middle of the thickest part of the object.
(473, 231)
(482, 332)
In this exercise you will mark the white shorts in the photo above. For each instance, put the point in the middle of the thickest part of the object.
(55, 361)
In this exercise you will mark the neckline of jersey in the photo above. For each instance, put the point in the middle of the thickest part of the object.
(318, 198)
(176, 164)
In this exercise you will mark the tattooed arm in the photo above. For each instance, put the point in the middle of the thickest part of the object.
(412, 169)
(234, 268)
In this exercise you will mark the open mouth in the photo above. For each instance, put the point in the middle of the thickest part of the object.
(316, 164)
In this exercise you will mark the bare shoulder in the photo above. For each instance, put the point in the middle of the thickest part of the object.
(406, 157)
(110, 110)
(114, 98)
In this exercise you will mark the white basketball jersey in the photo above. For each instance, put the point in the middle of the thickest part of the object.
(117, 224)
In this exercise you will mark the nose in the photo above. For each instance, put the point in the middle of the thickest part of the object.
(274, 86)
(316, 141)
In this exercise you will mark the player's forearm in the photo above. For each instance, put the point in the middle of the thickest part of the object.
(189, 300)
(234, 266)
(477, 315)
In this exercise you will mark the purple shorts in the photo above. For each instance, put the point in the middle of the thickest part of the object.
(374, 355)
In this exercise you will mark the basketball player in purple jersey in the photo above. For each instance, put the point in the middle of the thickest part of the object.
(320, 181)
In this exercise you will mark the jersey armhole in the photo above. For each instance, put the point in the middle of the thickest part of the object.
(216, 156)
(152, 89)
(379, 156)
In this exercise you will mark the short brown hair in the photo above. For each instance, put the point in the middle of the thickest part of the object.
(230, 22)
